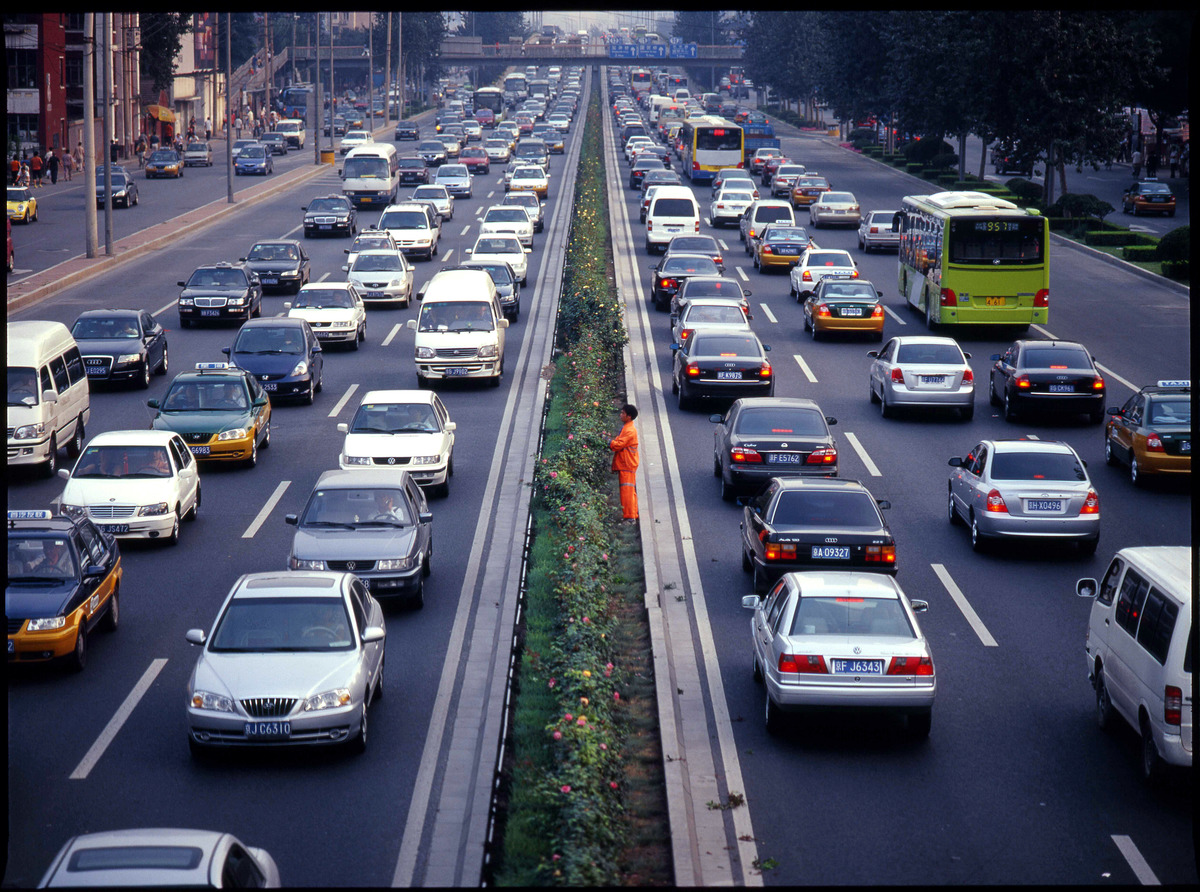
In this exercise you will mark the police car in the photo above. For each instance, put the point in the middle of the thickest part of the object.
(64, 578)
(1152, 432)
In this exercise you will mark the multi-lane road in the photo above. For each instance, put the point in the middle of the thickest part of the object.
(1016, 784)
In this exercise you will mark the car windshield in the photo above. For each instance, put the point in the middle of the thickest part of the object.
(822, 508)
(327, 204)
(356, 507)
(784, 421)
(1036, 466)
(403, 220)
(505, 215)
(39, 557)
(777, 234)
(123, 461)
(714, 315)
(369, 242)
(412, 163)
(105, 328)
(692, 243)
(394, 418)
(495, 144)
(18, 194)
(203, 396)
(284, 339)
(22, 386)
(366, 168)
(1170, 410)
(929, 354)
(282, 624)
(828, 258)
(242, 143)
(726, 345)
(528, 173)
(811, 183)
(197, 147)
(273, 252)
(431, 145)
(1055, 358)
(454, 315)
(323, 298)
(499, 272)
(1150, 188)
(852, 616)
(736, 196)
(430, 192)
(497, 246)
(772, 213)
(217, 278)
(449, 171)
(376, 262)
(163, 155)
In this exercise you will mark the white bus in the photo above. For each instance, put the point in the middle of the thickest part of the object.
(371, 175)
(707, 144)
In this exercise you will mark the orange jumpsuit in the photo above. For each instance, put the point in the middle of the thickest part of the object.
(625, 462)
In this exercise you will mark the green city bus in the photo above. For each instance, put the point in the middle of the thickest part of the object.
(970, 258)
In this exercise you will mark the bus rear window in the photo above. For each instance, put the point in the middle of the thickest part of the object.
(719, 139)
(997, 242)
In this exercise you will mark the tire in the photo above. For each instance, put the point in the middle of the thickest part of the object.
(885, 409)
(918, 724)
(951, 514)
(75, 447)
(772, 716)
(427, 564)
(50, 466)
(978, 541)
(1153, 768)
(685, 400)
(728, 493)
(253, 459)
(378, 695)
(173, 539)
(320, 380)
(1105, 714)
(143, 382)
(112, 617)
(674, 385)
(760, 579)
(359, 744)
(1110, 457)
(195, 509)
(755, 672)
(77, 659)
(311, 395)
(165, 364)
(357, 340)
(1096, 417)
(992, 398)
(871, 393)
(929, 323)
(1010, 411)
(1087, 547)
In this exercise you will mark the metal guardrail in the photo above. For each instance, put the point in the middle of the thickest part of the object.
(531, 53)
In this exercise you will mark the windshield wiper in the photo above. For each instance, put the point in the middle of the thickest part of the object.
(327, 523)
(390, 523)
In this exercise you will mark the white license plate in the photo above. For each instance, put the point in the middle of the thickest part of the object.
(852, 311)
(325, 226)
(210, 312)
(1185, 446)
(268, 730)
(1062, 388)
(831, 552)
(270, 388)
(456, 371)
(729, 376)
(933, 379)
(856, 667)
(1043, 505)
(97, 370)
(200, 450)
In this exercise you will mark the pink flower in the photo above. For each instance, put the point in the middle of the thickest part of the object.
(553, 474)
(566, 788)
(552, 682)
(612, 784)
(604, 746)
(568, 717)
(586, 620)
(616, 695)
(562, 507)
(570, 436)
(555, 857)
(558, 735)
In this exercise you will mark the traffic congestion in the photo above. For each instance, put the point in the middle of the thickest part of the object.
(901, 567)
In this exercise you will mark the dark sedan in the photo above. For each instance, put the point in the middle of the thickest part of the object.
(121, 345)
(710, 286)
(673, 270)
(698, 244)
(662, 177)
(280, 265)
(641, 167)
(758, 438)
(721, 365)
(219, 292)
(124, 188)
(406, 130)
(805, 524)
(331, 214)
(1057, 377)
(282, 353)
(275, 142)
(413, 169)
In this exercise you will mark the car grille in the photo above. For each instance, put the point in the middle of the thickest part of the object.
(324, 219)
(10, 432)
(110, 512)
(196, 437)
(14, 625)
(350, 566)
(268, 707)
(375, 284)
(456, 352)
(211, 301)
(391, 460)
(98, 364)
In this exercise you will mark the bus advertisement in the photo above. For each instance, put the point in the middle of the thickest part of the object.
(706, 145)
(971, 258)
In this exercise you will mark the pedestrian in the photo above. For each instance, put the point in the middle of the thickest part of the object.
(15, 169)
(1184, 158)
(1152, 164)
(68, 164)
(625, 462)
(77, 156)
(208, 128)
(1173, 158)
(114, 151)
(35, 169)
(1137, 163)
(52, 166)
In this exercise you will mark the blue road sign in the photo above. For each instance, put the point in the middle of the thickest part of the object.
(683, 51)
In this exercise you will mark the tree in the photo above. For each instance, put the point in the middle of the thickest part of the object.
(162, 39)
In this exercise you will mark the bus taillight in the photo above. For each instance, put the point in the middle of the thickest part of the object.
(949, 299)
(1042, 298)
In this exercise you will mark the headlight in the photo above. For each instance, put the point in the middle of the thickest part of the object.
(73, 510)
(47, 624)
(234, 433)
(289, 274)
(487, 351)
(396, 283)
(300, 369)
(158, 508)
(327, 700)
(295, 563)
(394, 564)
(347, 324)
(425, 353)
(215, 702)
(129, 357)
(356, 460)
(186, 302)
(425, 459)
(236, 301)
(29, 431)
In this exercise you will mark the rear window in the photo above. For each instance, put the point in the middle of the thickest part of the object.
(829, 258)
(851, 616)
(1056, 358)
(790, 422)
(674, 207)
(1036, 466)
(726, 345)
(770, 214)
(923, 354)
(695, 288)
(826, 509)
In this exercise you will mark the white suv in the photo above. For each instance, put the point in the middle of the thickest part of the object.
(415, 226)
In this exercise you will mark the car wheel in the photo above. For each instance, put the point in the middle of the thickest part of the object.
(1105, 714)
(885, 408)
(951, 513)
(773, 716)
(378, 694)
(194, 511)
(417, 599)
(165, 364)
(871, 393)
(992, 398)
(1110, 457)
(112, 618)
(75, 447)
(310, 395)
(1152, 763)
(359, 744)
(978, 541)
(728, 492)
(755, 671)
(966, 413)
(253, 459)
(929, 320)
(919, 723)
(427, 564)
(50, 467)
(1097, 416)
(173, 539)
(358, 338)
(1010, 411)
(685, 399)
(1135, 472)
(812, 330)
(674, 385)
(761, 584)
(1087, 547)
(144, 381)
(78, 657)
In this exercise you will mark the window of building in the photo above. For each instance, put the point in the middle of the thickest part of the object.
(22, 68)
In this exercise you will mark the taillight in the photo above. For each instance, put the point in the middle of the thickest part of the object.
(765, 371)
(949, 298)
(1042, 298)
(880, 554)
(897, 376)
(874, 230)
(808, 663)
(751, 232)
(968, 377)
(1091, 505)
(1022, 382)
(668, 283)
(826, 455)
(1172, 704)
(692, 371)
(877, 313)
(1154, 443)
(766, 249)
(695, 166)
(744, 454)
(910, 666)
(1097, 383)
(696, 226)
(780, 551)
(685, 334)
(854, 274)
(822, 309)
(807, 277)
(995, 502)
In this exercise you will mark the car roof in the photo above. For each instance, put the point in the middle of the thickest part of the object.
(281, 583)
(396, 396)
(135, 438)
(109, 311)
(828, 484)
(277, 321)
(338, 478)
(1172, 564)
(1021, 445)
(791, 402)
(923, 339)
(206, 840)
(845, 583)
(54, 525)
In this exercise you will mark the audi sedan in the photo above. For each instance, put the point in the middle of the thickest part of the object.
(924, 371)
(1031, 489)
(842, 640)
(1058, 377)
(292, 659)
(673, 270)
(121, 345)
(758, 439)
(799, 523)
(408, 429)
(721, 365)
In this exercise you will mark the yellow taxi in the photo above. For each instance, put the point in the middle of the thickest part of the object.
(1148, 197)
(808, 189)
(529, 178)
(22, 206)
(64, 578)
(1152, 432)
(164, 163)
(221, 411)
(779, 246)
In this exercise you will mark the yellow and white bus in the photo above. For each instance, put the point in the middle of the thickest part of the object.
(707, 144)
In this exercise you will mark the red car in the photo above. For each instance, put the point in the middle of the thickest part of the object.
(476, 160)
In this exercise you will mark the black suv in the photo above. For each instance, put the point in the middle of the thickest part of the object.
(220, 292)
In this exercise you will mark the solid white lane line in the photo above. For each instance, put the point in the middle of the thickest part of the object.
(293, 230)
(324, 276)
(1043, 331)
(741, 272)
(391, 334)
(862, 453)
(804, 368)
(341, 404)
(1111, 374)
(894, 315)
(965, 606)
(767, 312)
(1140, 868)
(721, 242)
(166, 307)
(267, 509)
(118, 720)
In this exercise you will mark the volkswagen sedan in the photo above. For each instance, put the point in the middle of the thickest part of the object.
(410, 429)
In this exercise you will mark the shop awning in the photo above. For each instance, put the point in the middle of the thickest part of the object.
(161, 113)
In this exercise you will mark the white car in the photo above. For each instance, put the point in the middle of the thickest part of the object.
(239, 144)
(439, 196)
(135, 484)
(367, 240)
(815, 264)
(382, 276)
(503, 247)
(508, 219)
(834, 207)
(531, 203)
(497, 149)
(415, 226)
(729, 204)
(353, 139)
(707, 312)
(334, 311)
(456, 178)
(635, 141)
(404, 428)
(530, 178)
(473, 131)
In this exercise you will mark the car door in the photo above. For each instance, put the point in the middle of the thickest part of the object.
(881, 365)
(187, 474)
(767, 624)
(315, 358)
(368, 613)
(155, 339)
(1119, 668)
(964, 480)
(420, 507)
(754, 524)
(1123, 424)
(1002, 371)
(260, 409)
(305, 266)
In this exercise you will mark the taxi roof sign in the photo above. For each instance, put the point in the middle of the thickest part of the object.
(31, 514)
(1175, 383)
(212, 366)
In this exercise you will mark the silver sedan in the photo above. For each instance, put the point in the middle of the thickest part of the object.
(707, 312)
(875, 231)
(841, 639)
(921, 370)
(293, 658)
(834, 207)
(1024, 489)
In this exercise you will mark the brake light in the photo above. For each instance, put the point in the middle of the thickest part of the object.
(897, 376)
(1097, 383)
(877, 312)
(744, 454)
(1172, 704)
(881, 554)
(822, 309)
(668, 283)
(968, 377)
(1154, 443)
(765, 371)
(685, 334)
(696, 226)
(1022, 382)
(751, 232)
(949, 298)
(1091, 505)
(874, 230)
(807, 277)
(995, 502)
(692, 371)
(808, 663)
(854, 274)
(766, 249)
(826, 455)
(910, 666)
(1042, 298)
(780, 551)
(695, 165)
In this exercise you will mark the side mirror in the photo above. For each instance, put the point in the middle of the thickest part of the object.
(345, 251)
(195, 636)
(225, 350)
(94, 570)
(918, 606)
(956, 462)
(502, 323)
(750, 602)
(372, 633)
(241, 259)
(181, 284)
(412, 323)
(49, 396)
(261, 401)
(291, 519)
(767, 347)
(675, 346)
(153, 404)
(884, 504)
(746, 292)
(1086, 587)
(317, 349)
(716, 418)
(966, 354)
(287, 304)
(873, 353)
(830, 420)
(425, 517)
(995, 357)
(1113, 410)
(345, 267)
(343, 427)
(64, 473)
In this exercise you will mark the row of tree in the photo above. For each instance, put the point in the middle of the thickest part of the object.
(1051, 80)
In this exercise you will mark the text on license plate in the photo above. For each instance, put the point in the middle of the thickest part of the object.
(268, 730)
(210, 312)
(729, 376)
(270, 388)
(1062, 388)
(115, 528)
(852, 311)
(995, 301)
(97, 370)
(1043, 504)
(1185, 446)
(831, 552)
(933, 379)
(783, 458)
(455, 371)
(268, 280)
(856, 667)
(200, 450)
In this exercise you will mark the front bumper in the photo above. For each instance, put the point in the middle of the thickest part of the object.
(221, 450)
(320, 727)
(215, 314)
(437, 370)
(337, 226)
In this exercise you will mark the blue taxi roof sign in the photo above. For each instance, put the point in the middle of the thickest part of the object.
(211, 366)
(1175, 383)
(31, 514)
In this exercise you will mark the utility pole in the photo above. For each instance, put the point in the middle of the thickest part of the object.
(228, 105)
(108, 134)
(319, 103)
(387, 74)
(89, 130)
(370, 78)
(267, 44)
(400, 75)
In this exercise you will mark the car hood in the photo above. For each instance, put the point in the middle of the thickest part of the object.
(214, 291)
(103, 491)
(398, 445)
(290, 675)
(363, 544)
(440, 340)
(36, 600)
(267, 363)
(109, 346)
(329, 314)
(273, 266)
(200, 422)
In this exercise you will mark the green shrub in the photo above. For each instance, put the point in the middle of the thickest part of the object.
(862, 133)
(926, 150)
(1140, 253)
(1103, 238)
(1027, 191)
(915, 167)
(948, 180)
(944, 162)
(1176, 245)
(1077, 205)
(1175, 269)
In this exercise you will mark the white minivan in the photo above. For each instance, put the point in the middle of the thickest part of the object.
(371, 175)
(460, 330)
(49, 403)
(1140, 646)
(673, 212)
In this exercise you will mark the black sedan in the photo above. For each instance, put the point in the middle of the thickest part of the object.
(329, 215)
(280, 265)
(804, 524)
(219, 292)
(673, 270)
(275, 142)
(1057, 377)
(759, 438)
(413, 170)
(121, 345)
(721, 365)
(124, 188)
(406, 130)
(641, 167)
(662, 177)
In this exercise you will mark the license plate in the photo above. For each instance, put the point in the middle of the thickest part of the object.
(325, 226)
(729, 376)
(852, 311)
(11, 647)
(933, 379)
(374, 294)
(456, 371)
(114, 528)
(269, 281)
(210, 312)
(783, 458)
(270, 388)
(856, 667)
(97, 370)
(674, 229)
(1062, 388)
(995, 301)
(788, 250)
(1043, 505)
(268, 730)
(831, 552)
(1185, 446)
(200, 450)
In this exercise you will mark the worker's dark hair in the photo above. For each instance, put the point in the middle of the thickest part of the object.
(630, 409)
